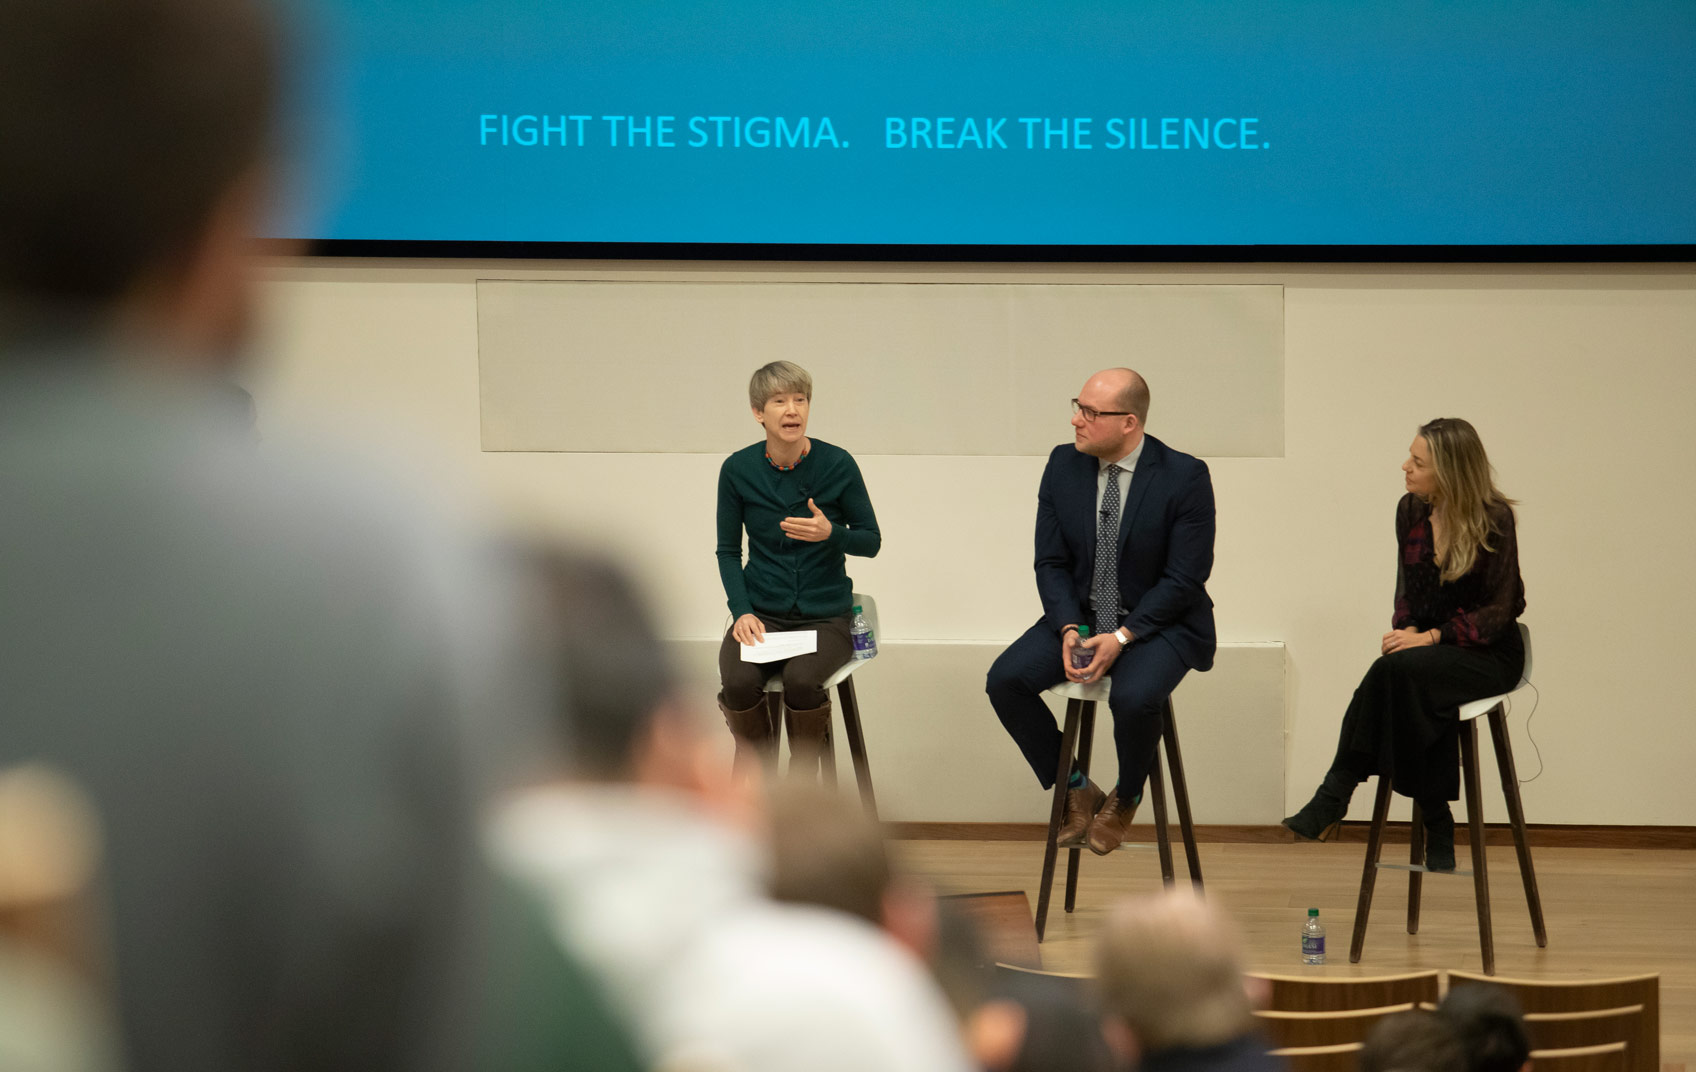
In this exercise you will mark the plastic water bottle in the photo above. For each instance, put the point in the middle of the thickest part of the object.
(865, 644)
(1313, 939)
(1082, 656)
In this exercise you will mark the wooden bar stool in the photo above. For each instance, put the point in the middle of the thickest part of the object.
(843, 682)
(1493, 708)
(1078, 736)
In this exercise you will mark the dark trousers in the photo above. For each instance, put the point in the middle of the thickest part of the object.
(1143, 677)
(1402, 719)
(803, 676)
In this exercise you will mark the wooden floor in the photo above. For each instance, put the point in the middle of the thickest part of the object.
(1609, 911)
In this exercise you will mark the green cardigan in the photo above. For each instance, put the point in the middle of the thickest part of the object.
(787, 578)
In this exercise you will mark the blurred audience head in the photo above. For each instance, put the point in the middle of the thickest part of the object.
(1490, 1025)
(826, 851)
(135, 133)
(49, 853)
(617, 711)
(55, 969)
(1416, 1041)
(1171, 975)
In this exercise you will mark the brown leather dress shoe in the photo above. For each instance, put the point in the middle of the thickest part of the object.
(1111, 824)
(1081, 805)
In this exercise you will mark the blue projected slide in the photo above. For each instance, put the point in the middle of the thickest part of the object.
(1018, 122)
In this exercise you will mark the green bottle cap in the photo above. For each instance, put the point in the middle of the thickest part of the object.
(858, 608)
(1313, 911)
(1083, 632)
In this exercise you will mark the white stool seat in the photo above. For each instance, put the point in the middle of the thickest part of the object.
(868, 607)
(1074, 690)
(1479, 708)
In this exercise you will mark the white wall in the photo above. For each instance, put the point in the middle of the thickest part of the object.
(1004, 356)
(1581, 380)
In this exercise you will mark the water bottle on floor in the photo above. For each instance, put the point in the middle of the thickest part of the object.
(865, 644)
(1313, 939)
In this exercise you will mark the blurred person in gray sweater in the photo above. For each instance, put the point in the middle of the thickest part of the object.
(270, 670)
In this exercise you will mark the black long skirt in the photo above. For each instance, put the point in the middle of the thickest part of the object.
(1403, 718)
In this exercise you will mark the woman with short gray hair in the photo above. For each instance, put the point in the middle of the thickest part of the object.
(803, 505)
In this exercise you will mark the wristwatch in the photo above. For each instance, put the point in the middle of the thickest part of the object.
(1122, 637)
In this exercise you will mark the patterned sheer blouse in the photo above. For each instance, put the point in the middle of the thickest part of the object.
(1472, 611)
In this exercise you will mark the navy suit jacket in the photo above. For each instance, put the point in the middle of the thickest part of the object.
(1165, 546)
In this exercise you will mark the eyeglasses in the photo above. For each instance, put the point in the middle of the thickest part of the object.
(1090, 413)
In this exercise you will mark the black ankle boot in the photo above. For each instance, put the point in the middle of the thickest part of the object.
(1439, 835)
(1321, 817)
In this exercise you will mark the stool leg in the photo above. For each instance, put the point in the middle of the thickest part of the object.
(1086, 745)
(1068, 741)
(1369, 873)
(1475, 830)
(1181, 795)
(774, 743)
(1416, 857)
(1516, 817)
(827, 759)
(1162, 836)
(857, 744)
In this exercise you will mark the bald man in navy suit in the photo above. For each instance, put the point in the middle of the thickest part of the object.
(1124, 545)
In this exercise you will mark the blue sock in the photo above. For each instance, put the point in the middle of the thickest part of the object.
(1076, 781)
(1134, 800)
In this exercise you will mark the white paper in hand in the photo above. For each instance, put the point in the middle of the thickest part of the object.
(781, 646)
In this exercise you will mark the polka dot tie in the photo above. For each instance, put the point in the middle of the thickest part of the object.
(1104, 593)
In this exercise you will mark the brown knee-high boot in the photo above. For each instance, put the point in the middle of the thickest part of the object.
(752, 731)
(808, 731)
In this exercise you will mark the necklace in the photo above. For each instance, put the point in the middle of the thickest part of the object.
(786, 468)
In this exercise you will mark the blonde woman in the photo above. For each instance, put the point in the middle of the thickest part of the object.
(803, 505)
(1453, 638)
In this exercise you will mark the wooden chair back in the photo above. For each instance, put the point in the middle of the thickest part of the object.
(1307, 1029)
(1343, 1058)
(1080, 987)
(1613, 1057)
(1573, 1030)
(1591, 995)
(1002, 920)
(1291, 993)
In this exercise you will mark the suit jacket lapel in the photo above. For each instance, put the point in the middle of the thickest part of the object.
(1148, 471)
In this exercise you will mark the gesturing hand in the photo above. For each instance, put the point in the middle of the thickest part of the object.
(815, 529)
(748, 630)
(1399, 639)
